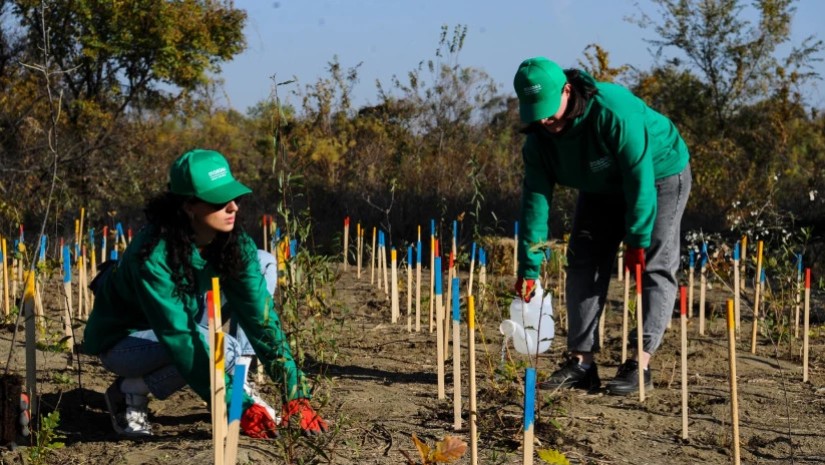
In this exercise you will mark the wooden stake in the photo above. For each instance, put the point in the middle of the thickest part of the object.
(346, 242)
(394, 305)
(602, 318)
(456, 356)
(6, 301)
(620, 258)
(448, 306)
(235, 411)
(799, 291)
(806, 325)
(409, 287)
(383, 250)
(744, 276)
(639, 333)
(67, 292)
(439, 336)
(736, 289)
(734, 400)
(359, 247)
(217, 372)
(432, 271)
(471, 349)
(691, 273)
(418, 283)
(372, 258)
(515, 251)
(31, 341)
(472, 270)
(529, 414)
(683, 320)
(703, 286)
(757, 295)
(625, 313)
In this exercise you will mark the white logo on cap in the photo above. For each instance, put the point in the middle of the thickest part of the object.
(217, 174)
(534, 89)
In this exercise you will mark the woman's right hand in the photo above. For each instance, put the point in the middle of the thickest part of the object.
(525, 288)
(257, 423)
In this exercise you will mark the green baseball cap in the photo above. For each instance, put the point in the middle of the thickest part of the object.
(205, 174)
(538, 83)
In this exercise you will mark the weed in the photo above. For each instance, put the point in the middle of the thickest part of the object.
(46, 439)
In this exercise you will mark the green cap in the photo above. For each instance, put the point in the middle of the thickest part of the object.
(539, 83)
(205, 174)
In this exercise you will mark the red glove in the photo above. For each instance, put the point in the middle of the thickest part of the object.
(525, 288)
(634, 256)
(257, 423)
(310, 422)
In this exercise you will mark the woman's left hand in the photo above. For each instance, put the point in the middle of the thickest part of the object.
(310, 422)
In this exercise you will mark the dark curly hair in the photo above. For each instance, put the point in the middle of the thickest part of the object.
(580, 94)
(169, 222)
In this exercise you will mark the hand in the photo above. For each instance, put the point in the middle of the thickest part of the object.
(310, 422)
(257, 423)
(525, 288)
(634, 256)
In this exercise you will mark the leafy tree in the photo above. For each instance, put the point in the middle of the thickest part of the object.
(736, 58)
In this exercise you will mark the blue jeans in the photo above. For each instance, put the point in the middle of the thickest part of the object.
(141, 355)
(598, 228)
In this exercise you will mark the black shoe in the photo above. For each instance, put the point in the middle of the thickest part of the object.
(573, 375)
(627, 379)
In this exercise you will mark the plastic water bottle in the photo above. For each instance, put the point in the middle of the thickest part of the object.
(531, 325)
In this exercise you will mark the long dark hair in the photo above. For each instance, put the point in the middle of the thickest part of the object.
(581, 91)
(170, 223)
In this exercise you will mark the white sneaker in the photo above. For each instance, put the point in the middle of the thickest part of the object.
(129, 412)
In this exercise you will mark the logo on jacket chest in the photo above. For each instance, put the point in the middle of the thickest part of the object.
(600, 164)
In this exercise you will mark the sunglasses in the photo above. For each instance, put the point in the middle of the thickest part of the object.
(219, 206)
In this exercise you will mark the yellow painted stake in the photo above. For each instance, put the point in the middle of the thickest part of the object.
(734, 399)
(219, 419)
(471, 349)
(6, 305)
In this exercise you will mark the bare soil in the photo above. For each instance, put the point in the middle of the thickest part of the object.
(376, 383)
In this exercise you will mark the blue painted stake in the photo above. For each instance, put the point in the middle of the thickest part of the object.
(529, 413)
(456, 356)
(67, 265)
(42, 249)
(439, 328)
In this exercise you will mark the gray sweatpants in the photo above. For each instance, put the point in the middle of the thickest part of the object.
(598, 228)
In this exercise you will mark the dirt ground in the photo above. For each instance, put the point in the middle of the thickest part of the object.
(376, 384)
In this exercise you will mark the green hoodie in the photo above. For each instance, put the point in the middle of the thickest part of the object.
(140, 294)
(618, 145)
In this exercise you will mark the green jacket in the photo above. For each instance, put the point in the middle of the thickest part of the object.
(618, 145)
(139, 295)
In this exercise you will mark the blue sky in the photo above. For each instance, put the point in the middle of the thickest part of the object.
(297, 38)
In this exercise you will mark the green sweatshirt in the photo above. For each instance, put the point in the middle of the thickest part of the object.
(618, 145)
(139, 295)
